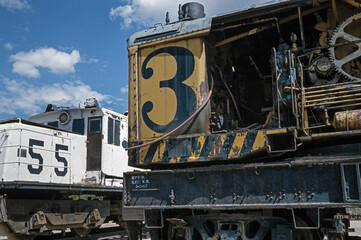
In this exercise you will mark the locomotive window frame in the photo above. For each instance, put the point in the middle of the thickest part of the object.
(113, 131)
(78, 126)
(53, 124)
(95, 125)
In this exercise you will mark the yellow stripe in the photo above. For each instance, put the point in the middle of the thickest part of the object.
(142, 153)
(195, 154)
(217, 145)
(259, 141)
(158, 155)
(237, 145)
(174, 159)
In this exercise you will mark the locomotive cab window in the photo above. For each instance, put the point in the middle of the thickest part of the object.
(94, 125)
(78, 126)
(53, 124)
(113, 131)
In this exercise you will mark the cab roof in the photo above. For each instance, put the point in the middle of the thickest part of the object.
(159, 31)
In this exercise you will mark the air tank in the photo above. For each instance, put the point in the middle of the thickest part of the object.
(347, 120)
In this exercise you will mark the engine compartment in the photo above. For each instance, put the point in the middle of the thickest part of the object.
(289, 66)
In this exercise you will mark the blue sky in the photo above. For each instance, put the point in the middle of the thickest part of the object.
(64, 51)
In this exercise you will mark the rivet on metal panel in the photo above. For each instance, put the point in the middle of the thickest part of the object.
(256, 171)
(310, 195)
(127, 198)
(295, 195)
(172, 196)
(281, 195)
(213, 198)
(269, 196)
(235, 197)
(191, 175)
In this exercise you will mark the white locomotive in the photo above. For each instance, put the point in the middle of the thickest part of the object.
(61, 169)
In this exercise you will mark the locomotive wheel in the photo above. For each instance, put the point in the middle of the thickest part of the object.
(6, 233)
(81, 232)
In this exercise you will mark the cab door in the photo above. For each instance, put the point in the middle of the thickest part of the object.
(94, 144)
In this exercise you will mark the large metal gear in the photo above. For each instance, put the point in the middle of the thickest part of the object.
(347, 58)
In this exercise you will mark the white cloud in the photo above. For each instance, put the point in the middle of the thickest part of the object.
(126, 12)
(124, 89)
(27, 63)
(148, 12)
(21, 97)
(15, 4)
(8, 45)
(90, 60)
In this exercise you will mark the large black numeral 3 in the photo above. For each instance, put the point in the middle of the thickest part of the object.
(185, 96)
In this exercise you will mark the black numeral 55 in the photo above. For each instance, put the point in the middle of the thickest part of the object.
(39, 168)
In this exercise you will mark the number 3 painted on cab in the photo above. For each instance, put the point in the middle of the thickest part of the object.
(185, 68)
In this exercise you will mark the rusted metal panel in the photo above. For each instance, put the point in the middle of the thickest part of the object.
(303, 182)
(201, 148)
(133, 94)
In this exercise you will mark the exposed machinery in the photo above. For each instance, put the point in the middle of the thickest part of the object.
(62, 169)
(248, 122)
